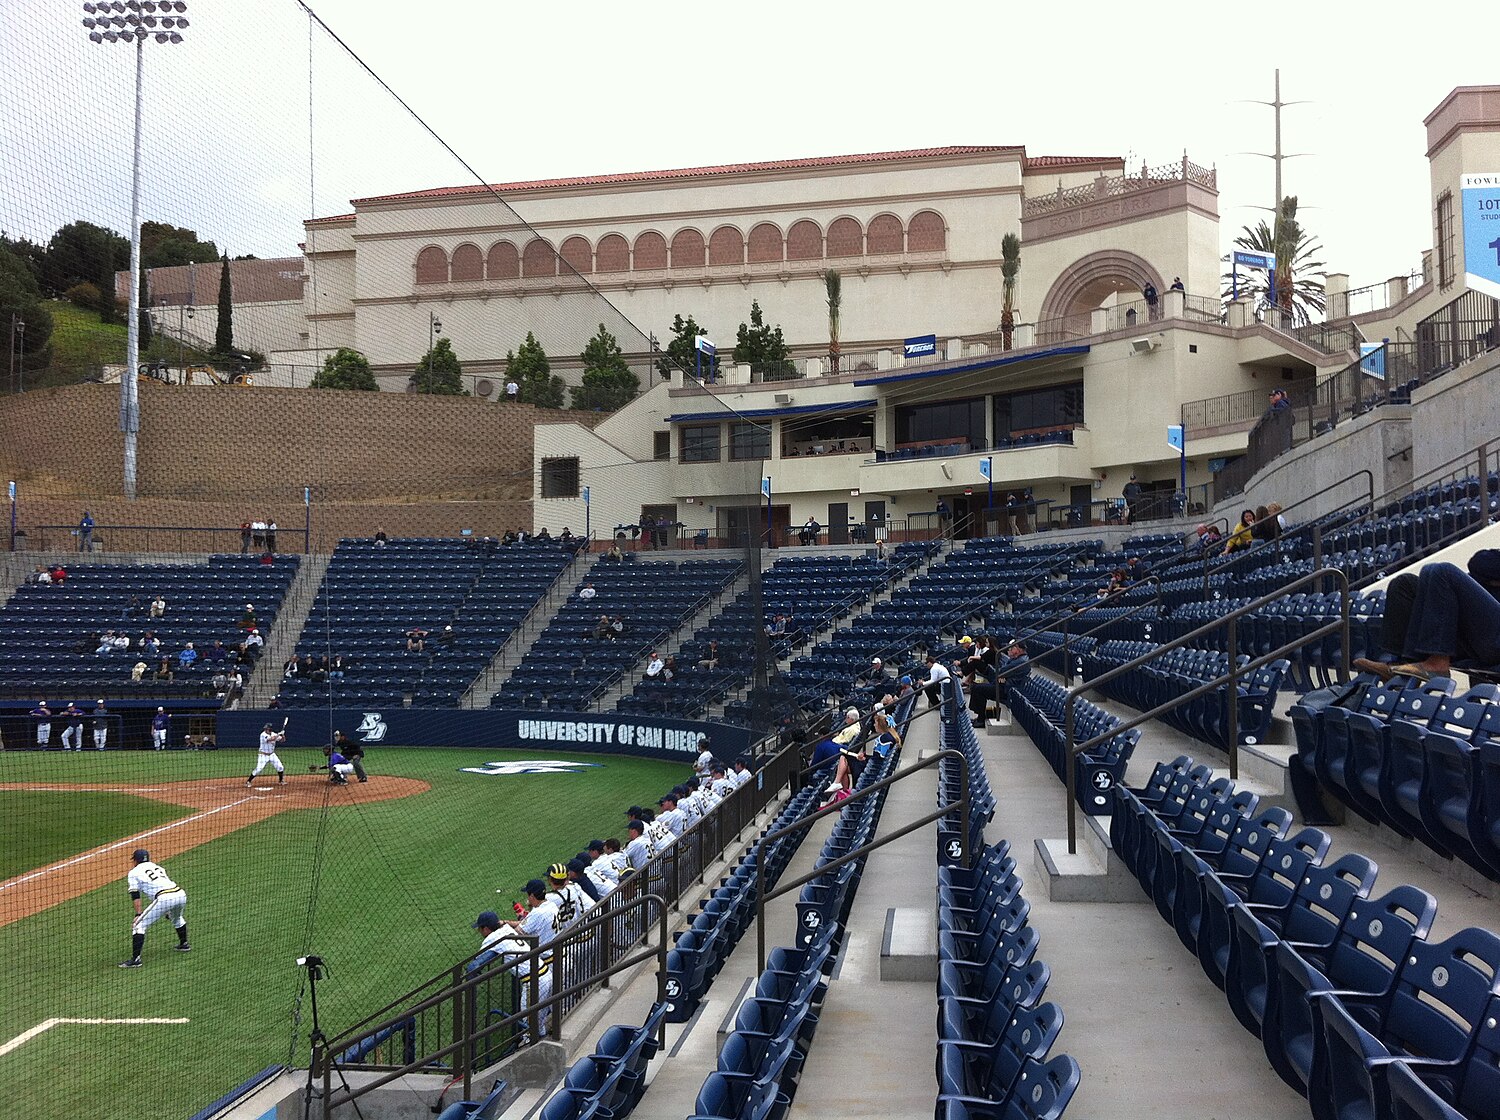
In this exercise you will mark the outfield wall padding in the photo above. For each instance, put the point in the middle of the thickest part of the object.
(593, 732)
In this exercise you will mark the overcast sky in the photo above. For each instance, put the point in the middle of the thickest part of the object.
(542, 90)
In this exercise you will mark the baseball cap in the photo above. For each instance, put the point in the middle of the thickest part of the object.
(536, 887)
(637, 825)
(633, 812)
(140, 855)
(966, 641)
(595, 846)
(576, 865)
(672, 797)
(488, 920)
(557, 871)
(876, 661)
(718, 768)
(1484, 565)
(906, 679)
(161, 709)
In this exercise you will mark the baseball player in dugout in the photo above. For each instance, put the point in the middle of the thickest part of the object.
(150, 884)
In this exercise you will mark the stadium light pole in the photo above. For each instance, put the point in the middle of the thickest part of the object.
(134, 21)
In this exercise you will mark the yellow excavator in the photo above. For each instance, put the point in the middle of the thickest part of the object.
(236, 376)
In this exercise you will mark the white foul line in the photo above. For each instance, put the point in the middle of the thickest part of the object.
(47, 1024)
(117, 844)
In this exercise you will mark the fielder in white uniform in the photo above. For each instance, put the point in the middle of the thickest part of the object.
(149, 882)
(269, 740)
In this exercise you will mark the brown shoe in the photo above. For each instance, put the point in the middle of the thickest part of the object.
(1381, 669)
(1412, 670)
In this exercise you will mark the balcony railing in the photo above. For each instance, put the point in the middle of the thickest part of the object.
(1114, 186)
(1062, 437)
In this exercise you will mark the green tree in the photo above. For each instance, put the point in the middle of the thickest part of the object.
(345, 369)
(30, 253)
(608, 381)
(21, 297)
(439, 372)
(1010, 266)
(833, 288)
(82, 251)
(529, 368)
(1297, 281)
(143, 317)
(224, 332)
(164, 245)
(762, 347)
(680, 352)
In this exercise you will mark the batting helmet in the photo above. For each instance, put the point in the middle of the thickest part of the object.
(558, 871)
(140, 855)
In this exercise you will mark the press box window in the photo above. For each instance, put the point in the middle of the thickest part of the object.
(749, 441)
(700, 443)
(661, 446)
(560, 478)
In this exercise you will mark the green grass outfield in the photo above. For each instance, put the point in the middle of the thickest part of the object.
(38, 826)
(399, 885)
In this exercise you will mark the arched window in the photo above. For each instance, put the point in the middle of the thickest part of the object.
(468, 263)
(539, 259)
(765, 244)
(504, 262)
(845, 238)
(650, 252)
(884, 235)
(687, 249)
(578, 255)
(432, 266)
(804, 241)
(726, 246)
(612, 254)
(926, 233)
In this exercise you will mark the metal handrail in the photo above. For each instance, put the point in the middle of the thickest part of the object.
(761, 897)
(324, 1063)
(1231, 678)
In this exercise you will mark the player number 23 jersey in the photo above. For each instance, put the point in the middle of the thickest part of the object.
(150, 880)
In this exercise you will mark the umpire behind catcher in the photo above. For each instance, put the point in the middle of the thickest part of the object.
(353, 751)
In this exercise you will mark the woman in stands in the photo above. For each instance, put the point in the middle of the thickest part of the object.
(887, 738)
(1242, 535)
(1266, 527)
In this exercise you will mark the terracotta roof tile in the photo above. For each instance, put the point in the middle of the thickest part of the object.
(1072, 161)
(696, 172)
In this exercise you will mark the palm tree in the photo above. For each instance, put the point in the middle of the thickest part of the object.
(833, 284)
(1296, 288)
(1010, 265)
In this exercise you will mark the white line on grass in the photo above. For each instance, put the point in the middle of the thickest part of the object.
(47, 1024)
(137, 838)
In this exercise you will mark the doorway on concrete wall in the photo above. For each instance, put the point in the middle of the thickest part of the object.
(838, 522)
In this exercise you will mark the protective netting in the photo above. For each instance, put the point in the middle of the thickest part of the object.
(293, 559)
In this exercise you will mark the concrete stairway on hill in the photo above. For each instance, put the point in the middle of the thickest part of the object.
(523, 637)
(281, 642)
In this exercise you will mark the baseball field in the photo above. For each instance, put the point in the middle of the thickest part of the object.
(380, 879)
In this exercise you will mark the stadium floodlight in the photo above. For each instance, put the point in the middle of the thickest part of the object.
(133, 28)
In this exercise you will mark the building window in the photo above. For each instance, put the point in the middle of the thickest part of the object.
(956, 423)
(1056, 406)
(749, 440)
(700, 443)
(661, 446)
(560, 478)
(1446, 253)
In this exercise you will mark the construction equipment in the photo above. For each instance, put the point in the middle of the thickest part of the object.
(237, 376)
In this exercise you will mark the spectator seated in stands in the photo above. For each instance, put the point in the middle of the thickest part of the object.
(255, 643)
(267, 559)
(1274, 509)
(614, 552)
(1439, 616)
(248, 621)
(508, 537)
(710, 659)
(336, 666)
(1242, 537)
(138, 672)
(587, 591)
(1210, 540)
(59, 575)
(602, 631)
(151, 644)
(158, 607)
(887, 739)
(875, 675)
(808, 534)
(291, 668)
(669, 667)
(106, 642)
(41, 575)
(187, 656)
(163, 671)
(243, 656)
(381, 540)
(849, 740)
(544, 535)
(616, 627)
(133, 609)
(655, 666)
(1267, 525)
(447, 636)
(416, 639)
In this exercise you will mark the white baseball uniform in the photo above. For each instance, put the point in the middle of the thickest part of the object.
(164, 897)
(704, 764)
(599, 876)
(512, 950)
(675, 820)
(661, 836)
(571, 901)
(268, 741)
(740, 777)
(724, 787)
(638, 852)
(614, 866)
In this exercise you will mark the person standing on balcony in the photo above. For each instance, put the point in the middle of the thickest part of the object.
(1148, 293)
(86, 532)
(1132, 495)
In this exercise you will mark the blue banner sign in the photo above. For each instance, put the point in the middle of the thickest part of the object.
(1249, 259)
(923, 346)
(704, 346)
(1175, 437)
(1372, 359)
(984, 467)
(1481, 211)
(593, 732)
